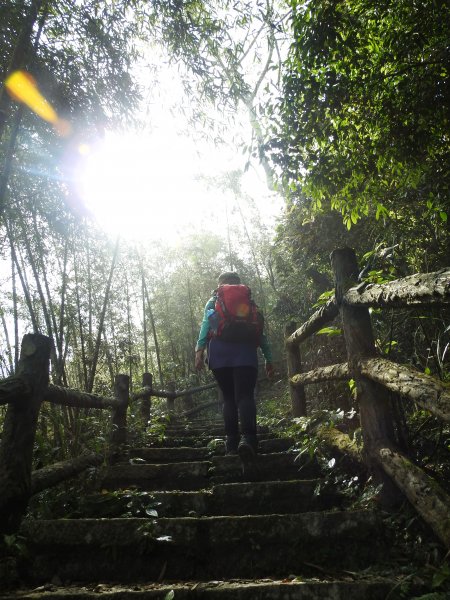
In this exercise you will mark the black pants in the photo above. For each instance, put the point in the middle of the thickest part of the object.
(238, 388)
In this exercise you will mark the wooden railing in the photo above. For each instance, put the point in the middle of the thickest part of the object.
(24, 393)
(377, 377)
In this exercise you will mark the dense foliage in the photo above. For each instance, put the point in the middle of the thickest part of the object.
(364, 112)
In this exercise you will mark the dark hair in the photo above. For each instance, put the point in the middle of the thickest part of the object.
(229, 277)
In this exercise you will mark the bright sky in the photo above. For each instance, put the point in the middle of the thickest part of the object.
(145, 184)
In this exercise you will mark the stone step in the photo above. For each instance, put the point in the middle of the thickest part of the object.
(158, 455)
(180, 454)
(266, 467)
(196, 442)
(256, 498)
(183, 549)
(206, 429)
(286, 589)
(195, 475)
(171, 476)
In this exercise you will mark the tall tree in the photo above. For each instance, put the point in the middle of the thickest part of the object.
(363, 125)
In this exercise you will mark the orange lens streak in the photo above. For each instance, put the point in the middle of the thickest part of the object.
(22, 87)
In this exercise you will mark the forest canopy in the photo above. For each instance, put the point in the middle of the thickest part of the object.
(343, 105)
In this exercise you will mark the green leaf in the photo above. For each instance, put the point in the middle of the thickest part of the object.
(170, 595)
(329, 331)
(443, 216)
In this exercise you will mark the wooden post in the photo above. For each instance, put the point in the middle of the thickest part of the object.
(16, 449)
(146, 403)
(294, 366)
(119, 416)
(171, 401)
(375, 414)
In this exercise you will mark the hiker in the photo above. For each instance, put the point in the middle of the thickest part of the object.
(232, 341)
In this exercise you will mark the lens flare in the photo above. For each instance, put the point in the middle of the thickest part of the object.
(22, 87)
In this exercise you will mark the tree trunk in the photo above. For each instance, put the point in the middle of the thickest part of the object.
(8, 344)
(25, 288)
(80, 328)
(155, 337)
(102, 319)
(60, 339)
(130, 346)
(144, 323)
(15, 315)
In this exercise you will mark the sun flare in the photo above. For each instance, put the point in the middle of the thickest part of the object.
(140, 185)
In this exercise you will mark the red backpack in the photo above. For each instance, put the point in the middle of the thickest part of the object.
(236, 317)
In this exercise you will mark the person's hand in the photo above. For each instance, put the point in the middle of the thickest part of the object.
(269, 370)
(199, 362)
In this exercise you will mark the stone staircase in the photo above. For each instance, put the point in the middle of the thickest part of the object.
(224, 530)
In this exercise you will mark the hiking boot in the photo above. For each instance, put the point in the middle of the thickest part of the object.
(247, 449)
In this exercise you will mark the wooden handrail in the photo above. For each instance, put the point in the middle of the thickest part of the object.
(69, 397)
(171, 395)
(421, 289)
(427, 391)
(331, 373)
(13, 387)
(321, 317)
(374, 376)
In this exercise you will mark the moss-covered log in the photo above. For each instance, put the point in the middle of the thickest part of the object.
(340, 442)
(330, 373)
(427, 497)
(12, 388)
(156, 393)
(171, 395)
(426, 391)
(53, 474)
(324, 315)
(421, 289)
(68, 397)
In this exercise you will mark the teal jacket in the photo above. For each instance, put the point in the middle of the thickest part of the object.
(205, 327)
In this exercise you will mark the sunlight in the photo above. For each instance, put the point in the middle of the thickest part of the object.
(139, 186)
